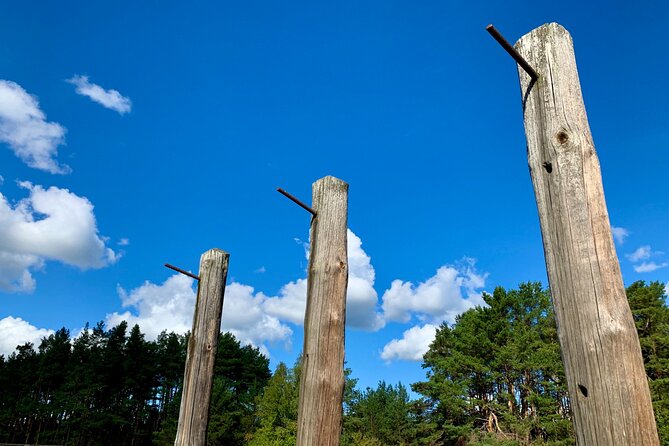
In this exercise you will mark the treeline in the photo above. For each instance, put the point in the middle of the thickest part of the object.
(493, 378)
(111, 387)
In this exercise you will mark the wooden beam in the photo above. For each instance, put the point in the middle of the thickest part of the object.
(607, 382)
(322, 380)
(202, 346)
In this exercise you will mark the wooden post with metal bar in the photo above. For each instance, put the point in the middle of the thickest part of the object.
(202, 346)
(604, 368)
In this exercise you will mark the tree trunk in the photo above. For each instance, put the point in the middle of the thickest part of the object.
(322, 381)
(600, 348)
(202, 345)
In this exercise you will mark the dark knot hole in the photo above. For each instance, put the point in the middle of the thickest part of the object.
(583, 389)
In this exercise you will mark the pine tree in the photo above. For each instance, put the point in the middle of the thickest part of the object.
(277, 409)
(496, 373)
(651, 315)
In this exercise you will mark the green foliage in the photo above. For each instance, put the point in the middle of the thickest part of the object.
(277, 409)
(493, 378)
(380, 416)
(651, 315)
(109, 387)
(497, 374)
(240, 374)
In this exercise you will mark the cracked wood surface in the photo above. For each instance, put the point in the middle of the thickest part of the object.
(605, 374)
(319, 420)
(202, 346)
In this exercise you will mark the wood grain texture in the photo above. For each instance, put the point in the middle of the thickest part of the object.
(202, 345)
(605, 374)
(322, 380)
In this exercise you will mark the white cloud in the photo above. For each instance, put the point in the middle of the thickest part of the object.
(647, 267)
(14, 331)
(2, 180)
(642, 253)
(291, 303)
(156, 308)
(23, 126)
(414, 344)
(170, 306)
(15, 270)
(110, 99)
(51, 224)
(451, 291)
(619, 234)
(361, 298)
(123, 242)
(245, 316)
(252, 317)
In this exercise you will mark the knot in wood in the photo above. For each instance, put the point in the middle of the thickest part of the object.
(562, 137)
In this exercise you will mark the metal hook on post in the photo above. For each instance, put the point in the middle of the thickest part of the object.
(512, 52)
(296, 201)
(182, 271)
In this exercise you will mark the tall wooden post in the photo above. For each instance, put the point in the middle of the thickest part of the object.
(202, 345)
(605, 374)
(322, 382)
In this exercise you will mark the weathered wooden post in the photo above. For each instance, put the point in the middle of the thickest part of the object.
(600, 347)
(202, 345)
(322, 382)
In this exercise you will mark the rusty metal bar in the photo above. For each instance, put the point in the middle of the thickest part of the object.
(512, 52)
(179, 270)
(296, 201)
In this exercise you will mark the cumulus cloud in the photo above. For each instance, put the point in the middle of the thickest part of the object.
(647, 267)
(244, 316)
(170, 306)
(619, 234)
(14, 331)
(451, 291)
(51, 224)
(414, 344)
(361, 298)
(642, 253)
(23, 126)
(110, 99)
(251, 316)
(291, 303)
(15, 270)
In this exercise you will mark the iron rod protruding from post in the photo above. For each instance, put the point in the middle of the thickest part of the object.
(512, 52)
(179, 270)
(296, 201)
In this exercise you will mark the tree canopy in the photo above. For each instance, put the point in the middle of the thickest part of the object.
(494, 377)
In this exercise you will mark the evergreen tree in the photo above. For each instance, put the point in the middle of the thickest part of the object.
(380, 416)
(240, 374)
(277, 409)
(496, 373)
(651, 315)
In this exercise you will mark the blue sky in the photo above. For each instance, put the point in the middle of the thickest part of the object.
(138, 133)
